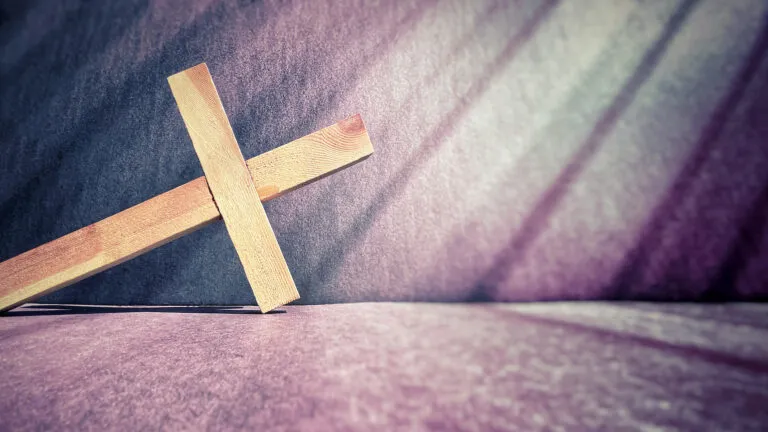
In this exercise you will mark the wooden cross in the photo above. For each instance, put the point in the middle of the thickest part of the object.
(232, 189)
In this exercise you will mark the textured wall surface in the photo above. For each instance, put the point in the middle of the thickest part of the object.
(525, 150)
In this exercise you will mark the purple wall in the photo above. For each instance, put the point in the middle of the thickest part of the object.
(525, 150)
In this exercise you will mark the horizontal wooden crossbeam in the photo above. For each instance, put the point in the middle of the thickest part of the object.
(168, 216)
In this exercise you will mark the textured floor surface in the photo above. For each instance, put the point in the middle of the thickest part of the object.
(386, 366)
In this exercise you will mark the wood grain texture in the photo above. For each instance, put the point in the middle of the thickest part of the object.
(168, 216)
(232, 187)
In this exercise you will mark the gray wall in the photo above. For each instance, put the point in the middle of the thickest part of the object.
(525, 150)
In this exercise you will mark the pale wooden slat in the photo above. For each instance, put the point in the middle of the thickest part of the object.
(232, 187)
(168, 216)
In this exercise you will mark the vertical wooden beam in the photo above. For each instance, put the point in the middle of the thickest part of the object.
(232, 187)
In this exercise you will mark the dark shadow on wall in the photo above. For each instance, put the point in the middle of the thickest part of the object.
(636, 262)
(744, 247)
(99, 118)
(329, 264)
(9, 10)
(42, 70)
(536, 221)
(40, 73)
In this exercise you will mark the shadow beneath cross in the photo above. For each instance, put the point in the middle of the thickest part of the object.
(56, 309)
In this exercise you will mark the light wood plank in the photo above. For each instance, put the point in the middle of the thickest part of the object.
(232, 187)
(168, 216)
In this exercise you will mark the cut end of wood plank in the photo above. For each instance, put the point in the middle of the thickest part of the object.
(352, 125)
(310, 158)
(349, 135)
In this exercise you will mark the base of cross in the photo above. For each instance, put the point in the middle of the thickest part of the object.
(232, 189)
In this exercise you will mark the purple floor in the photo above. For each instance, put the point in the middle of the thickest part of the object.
(385, 366)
